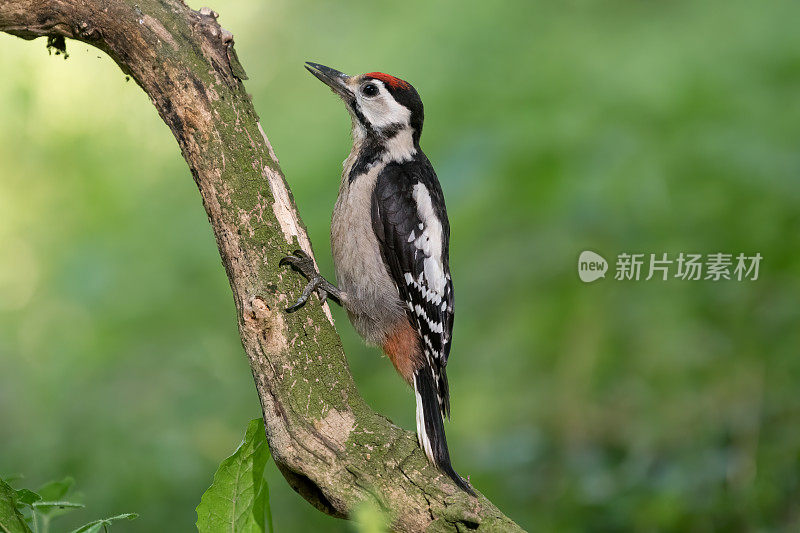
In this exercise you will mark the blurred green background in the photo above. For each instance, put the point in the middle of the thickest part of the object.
(554, 127)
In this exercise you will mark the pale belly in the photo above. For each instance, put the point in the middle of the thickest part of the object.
(372, 299)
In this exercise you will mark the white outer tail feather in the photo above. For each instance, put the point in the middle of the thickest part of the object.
(422, 436)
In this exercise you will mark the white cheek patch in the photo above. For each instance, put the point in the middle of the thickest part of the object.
(382, 110)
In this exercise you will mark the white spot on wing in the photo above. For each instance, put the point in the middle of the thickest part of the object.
(430, 241)
(434, 326)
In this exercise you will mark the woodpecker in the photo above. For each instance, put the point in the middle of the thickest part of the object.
(390, 241)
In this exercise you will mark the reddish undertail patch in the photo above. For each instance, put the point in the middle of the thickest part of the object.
(402, 347)
(394, 83)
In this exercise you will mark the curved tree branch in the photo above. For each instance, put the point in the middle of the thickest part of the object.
(326, 441)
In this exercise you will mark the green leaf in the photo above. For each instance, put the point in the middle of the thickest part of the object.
(11, 520)
(53, 504)
(59, 505)
(97, 525)
(238, 499)
(26, 497)
(369, 518)
(91, 527)
(56, 490)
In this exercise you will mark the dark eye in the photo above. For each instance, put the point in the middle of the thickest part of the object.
(369, 89)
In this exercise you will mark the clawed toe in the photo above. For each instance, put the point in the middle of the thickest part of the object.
(298, 257)
(305, 265)
(302, 262)
(312, 286)
(300, 303)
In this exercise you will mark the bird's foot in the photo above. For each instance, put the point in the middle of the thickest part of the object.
(300, 261)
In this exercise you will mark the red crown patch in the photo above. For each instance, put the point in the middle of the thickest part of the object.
(394, 83)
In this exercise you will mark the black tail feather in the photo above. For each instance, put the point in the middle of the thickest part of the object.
(430, 426)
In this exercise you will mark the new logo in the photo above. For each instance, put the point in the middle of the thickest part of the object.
(591, 266)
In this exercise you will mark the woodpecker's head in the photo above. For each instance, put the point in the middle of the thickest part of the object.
(380, 105)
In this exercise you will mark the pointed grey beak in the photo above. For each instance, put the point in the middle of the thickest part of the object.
(334, 79)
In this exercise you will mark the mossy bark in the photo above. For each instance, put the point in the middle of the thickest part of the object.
(331, 447)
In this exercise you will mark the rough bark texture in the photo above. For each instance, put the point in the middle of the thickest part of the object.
(330, 446)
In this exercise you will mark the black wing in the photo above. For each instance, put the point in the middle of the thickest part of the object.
(410, 221)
